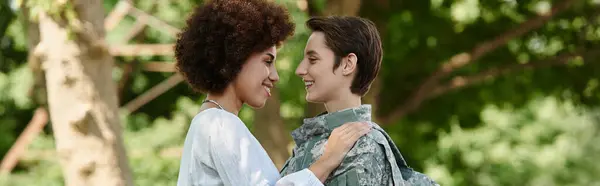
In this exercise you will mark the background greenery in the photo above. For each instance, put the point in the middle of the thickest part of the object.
(534, 126)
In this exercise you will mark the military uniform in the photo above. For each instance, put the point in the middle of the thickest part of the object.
(374, 159)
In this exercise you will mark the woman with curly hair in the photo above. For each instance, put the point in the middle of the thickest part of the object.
(227, 51)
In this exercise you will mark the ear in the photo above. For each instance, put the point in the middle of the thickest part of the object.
(349, 64)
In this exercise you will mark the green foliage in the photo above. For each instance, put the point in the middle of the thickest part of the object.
(149, 168)
(153, 151)
(415, 50)
(155, 170)
(546, 143)
(491, 133)
(62, 11)
(171, 12)
(15, 79)
(39, 165)
(420, 35)
(47, 172)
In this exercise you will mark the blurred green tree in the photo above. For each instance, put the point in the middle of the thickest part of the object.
(515, 53)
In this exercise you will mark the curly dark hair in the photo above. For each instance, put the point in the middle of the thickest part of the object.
(220, 36)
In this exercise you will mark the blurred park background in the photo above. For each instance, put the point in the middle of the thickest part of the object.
(473, 92)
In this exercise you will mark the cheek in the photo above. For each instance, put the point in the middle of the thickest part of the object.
(321, 75)
(255, 72)
(323, 81)
(245, 79)
(251, 82)
(328, 82)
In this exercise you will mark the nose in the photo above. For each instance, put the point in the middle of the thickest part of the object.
(301, 69)
(273, 75)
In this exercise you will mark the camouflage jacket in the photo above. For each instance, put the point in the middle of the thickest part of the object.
(374, 159)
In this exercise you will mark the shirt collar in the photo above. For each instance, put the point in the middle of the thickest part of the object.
(326, 122)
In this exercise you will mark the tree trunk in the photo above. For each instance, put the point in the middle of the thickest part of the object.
(271, 132)
(82, 97)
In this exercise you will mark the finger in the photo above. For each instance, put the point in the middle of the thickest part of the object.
(366, 130)
(362, 127)
(350, 141)
(342, 128)
(350, 130)
(350, 136)
(359, 133)
(357, 126)
(351, 126)
(365, 124)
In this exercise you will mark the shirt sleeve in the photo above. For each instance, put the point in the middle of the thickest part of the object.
(232, 148)
(228, 154)
(304, 177)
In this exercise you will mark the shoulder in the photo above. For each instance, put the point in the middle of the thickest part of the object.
(371, 149)
(372, 143)
(368, 148)
(218, 116)
(214, 120)
(377, 135)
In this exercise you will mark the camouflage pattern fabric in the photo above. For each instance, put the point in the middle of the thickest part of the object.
(374, 159)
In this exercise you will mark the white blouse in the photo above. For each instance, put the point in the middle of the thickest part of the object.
(220, 150)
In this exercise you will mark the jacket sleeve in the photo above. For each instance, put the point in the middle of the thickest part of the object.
(419, 179)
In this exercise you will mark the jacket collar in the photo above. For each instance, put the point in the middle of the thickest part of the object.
(326, 122)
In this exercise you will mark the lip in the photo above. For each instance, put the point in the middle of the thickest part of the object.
(268, 88)
(308, 81)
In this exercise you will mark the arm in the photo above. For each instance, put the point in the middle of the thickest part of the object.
(365, 164)
(232, 146)
(338, 144)
(241, 161)
(341, 140)
(304, 177)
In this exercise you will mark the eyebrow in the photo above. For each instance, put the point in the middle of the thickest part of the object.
(312, 52)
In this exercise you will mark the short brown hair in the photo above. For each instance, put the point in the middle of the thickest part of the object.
(348, 34)
(220, 36)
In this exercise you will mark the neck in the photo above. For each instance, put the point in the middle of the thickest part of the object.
(342, 102)
(228, 100)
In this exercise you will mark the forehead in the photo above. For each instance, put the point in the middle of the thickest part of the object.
(316, 41)
(271, 50)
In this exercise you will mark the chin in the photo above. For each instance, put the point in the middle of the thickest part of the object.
(257, 104)
(313, 99)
